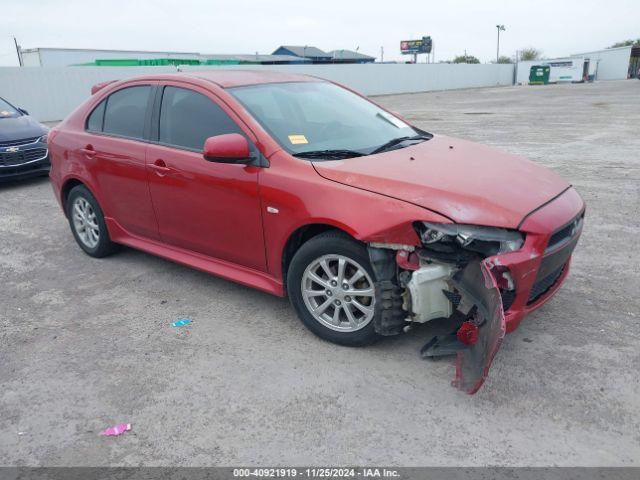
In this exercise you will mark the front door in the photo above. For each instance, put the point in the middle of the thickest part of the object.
(205, 207)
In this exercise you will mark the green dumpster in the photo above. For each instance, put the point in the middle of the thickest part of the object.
(539, 75)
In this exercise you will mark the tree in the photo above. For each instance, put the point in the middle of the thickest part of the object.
(530, 53)
(466, 59)
(503, 59)
(626, 43)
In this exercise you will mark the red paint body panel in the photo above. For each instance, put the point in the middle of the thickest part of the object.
(206, 207)
(469, 183)
(231, 145)
(303, 197)
(525, 263)
(240, 78)
(214, 217)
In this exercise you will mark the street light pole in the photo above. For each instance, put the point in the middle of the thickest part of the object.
(500, 28)
(18, 51)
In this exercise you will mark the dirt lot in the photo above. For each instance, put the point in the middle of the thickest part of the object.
(86, 343)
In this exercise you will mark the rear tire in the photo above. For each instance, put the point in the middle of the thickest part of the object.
(87, 223)
(331, 285)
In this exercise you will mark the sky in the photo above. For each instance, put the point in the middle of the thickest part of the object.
(557, 27)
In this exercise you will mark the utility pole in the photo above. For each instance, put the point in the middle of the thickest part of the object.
(18, 51)
(500, 29)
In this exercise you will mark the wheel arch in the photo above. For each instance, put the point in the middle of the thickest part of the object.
(302, 235)
(68, 185)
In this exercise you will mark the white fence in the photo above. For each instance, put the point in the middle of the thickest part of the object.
(51, 93)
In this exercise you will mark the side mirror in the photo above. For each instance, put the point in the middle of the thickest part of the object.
(228, 148)
(23, 111)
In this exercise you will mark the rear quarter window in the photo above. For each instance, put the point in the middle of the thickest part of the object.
(125, 112)
(96, 119)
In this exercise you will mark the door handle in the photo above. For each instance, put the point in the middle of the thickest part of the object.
(88, 152)
(160, 167)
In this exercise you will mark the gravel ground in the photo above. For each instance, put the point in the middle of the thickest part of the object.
(86, 343)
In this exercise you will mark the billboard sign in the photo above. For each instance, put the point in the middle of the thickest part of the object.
(411, 47)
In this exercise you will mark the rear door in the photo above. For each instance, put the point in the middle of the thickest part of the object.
(205, 207)
(115, 145)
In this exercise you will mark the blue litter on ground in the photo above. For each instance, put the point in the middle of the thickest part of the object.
(181, 323)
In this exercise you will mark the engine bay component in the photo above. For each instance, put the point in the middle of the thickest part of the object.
(425, 299)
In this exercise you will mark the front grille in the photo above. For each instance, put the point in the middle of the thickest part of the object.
(11, 159)
(565, 234)
(13, 143)
(543, 285)
(22, 168)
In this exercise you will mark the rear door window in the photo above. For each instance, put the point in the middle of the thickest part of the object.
(126, 112)
(188, 118)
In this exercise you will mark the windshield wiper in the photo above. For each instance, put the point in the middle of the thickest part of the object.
(397, 141)
(329, 154)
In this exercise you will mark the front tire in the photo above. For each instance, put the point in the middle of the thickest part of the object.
(330, 283)
(87, 223)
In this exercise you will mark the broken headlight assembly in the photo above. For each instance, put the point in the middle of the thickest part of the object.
(461, 242)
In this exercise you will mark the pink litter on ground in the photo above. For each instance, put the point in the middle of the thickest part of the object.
(116, 430)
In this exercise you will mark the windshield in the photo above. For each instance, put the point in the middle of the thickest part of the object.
(7, 110)
(320, 118)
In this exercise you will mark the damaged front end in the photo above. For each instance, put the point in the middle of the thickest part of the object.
(455, 274)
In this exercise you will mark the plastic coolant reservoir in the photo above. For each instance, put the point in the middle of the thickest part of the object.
(425, 287)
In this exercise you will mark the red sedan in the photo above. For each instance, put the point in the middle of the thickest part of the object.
(300, 187)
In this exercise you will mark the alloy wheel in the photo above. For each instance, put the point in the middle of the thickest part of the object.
(339, 293)
(85, 222)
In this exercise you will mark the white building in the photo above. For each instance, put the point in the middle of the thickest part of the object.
(608, 64)
(63, 57)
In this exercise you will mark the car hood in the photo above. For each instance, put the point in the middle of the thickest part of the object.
(464, 181)
(17, 128)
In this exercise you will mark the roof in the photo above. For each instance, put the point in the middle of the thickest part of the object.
(238, 78)
(603, 50)
(349, 55)
(301, 51)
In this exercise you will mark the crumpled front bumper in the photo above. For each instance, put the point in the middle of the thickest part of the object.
(534, 273)
(540, 267)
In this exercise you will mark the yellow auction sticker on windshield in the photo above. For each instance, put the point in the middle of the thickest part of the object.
(298, 139)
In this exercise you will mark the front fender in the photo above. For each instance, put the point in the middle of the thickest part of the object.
(294, 195)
